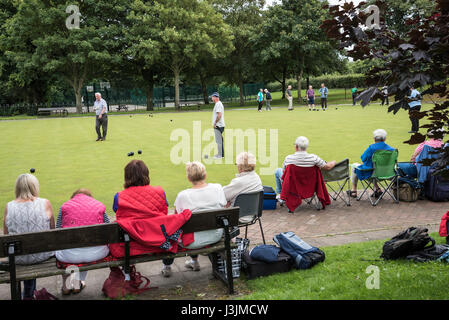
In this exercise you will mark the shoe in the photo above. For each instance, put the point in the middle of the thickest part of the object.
(103, 139)
(192, 264)
(82, 286)
(412, 131)
(351, 193)
(98, 139)
(218, 157)
(166, 271)
(377, 194)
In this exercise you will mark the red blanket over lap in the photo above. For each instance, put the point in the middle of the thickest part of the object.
(142, 212)
(302, 183)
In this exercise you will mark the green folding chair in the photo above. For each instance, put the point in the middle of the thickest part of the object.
(384, 174)
(336, 175)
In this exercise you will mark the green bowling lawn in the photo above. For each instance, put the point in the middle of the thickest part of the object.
(66, 156)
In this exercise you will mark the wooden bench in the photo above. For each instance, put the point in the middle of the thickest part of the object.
(122, 107)
(48, 111)
(95, 235)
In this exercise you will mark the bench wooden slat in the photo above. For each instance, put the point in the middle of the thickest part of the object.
(86, 236)
(48, 268)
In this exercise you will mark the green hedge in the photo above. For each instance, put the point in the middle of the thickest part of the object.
(330, 80)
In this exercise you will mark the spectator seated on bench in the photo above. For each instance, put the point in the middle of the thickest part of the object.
(28, 213)
(202, 196)
(246, 181)
(141, 210)
(81, 210)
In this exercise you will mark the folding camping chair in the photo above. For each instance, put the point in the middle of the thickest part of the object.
(384, 171)
(338, 174)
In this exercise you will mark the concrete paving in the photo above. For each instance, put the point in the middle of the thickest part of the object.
(337, 224)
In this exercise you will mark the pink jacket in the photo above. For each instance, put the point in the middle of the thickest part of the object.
(82, 210)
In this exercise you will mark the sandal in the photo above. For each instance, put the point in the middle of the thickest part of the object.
(351, 193)
(82, 286)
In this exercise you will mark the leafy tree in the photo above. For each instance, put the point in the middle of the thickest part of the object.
(418, 59)
(178, 34)
(244, 18)
(38, 39)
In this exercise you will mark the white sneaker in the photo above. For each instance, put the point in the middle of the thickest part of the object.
(192, 264)
(218, 157)
(281, 202)
(166, 271)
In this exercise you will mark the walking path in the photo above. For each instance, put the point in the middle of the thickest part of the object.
(337, 224)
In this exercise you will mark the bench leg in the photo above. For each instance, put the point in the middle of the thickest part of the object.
(14, 284)
(230, 279)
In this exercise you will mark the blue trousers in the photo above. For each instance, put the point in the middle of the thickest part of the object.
(277, 176)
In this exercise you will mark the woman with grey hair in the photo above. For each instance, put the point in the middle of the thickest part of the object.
(365, 170)
(247, 180)
(202, 196)
(28, 213)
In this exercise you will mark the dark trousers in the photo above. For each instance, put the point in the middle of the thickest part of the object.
(415, 121)
(323, 103)
(260, 105)
(103, 122)
(28, 288)
(383, 100)
(354, 95)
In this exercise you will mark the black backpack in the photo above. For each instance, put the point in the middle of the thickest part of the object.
(406, 243)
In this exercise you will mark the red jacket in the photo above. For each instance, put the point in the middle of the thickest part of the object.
(302, 183)
(142, 212)
(443, 225)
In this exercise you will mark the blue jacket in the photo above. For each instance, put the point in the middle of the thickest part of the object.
(366, 158)
(414, 104)
(423, 170)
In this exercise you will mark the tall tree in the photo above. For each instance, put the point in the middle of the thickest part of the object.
(40, 32)
(244, 17)
(177, 33)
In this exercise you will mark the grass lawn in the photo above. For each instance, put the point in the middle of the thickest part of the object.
(66, 156)
(343, 276)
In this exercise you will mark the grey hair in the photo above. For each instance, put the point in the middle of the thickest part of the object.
(246, 161)
(380, 135)
(27, 187)
(98, 93)
(302, 143)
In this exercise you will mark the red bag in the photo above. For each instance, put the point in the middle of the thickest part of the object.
(43, 294)
(116, 287)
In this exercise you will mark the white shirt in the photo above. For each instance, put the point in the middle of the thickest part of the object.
(218, 108)
(244, 182)
(99, 105)
(209, 197)
(304, 159)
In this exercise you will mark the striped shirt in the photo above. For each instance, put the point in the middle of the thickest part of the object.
(304, 159)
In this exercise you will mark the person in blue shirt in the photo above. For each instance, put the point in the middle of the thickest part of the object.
(260, 99)
(365, 170)
(415, 105)
(324, 91)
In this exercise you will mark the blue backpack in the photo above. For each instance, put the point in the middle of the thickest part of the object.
(304, 255)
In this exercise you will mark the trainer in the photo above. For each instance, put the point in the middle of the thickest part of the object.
(101, 111)
(218, 123)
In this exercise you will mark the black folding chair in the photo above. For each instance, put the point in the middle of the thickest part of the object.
(251, 205)
(336, 175)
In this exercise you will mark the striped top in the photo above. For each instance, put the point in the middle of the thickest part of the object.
(304, 159)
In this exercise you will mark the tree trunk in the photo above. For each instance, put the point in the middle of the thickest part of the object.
(78, 95)
(148, 76)
(299, 79)
(176, 74)
(204, 88)
(284, 76)
(242, 98)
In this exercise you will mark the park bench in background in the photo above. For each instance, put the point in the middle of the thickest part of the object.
(95, 235)
(61, 111)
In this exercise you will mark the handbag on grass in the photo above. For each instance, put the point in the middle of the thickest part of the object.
(116, 286)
